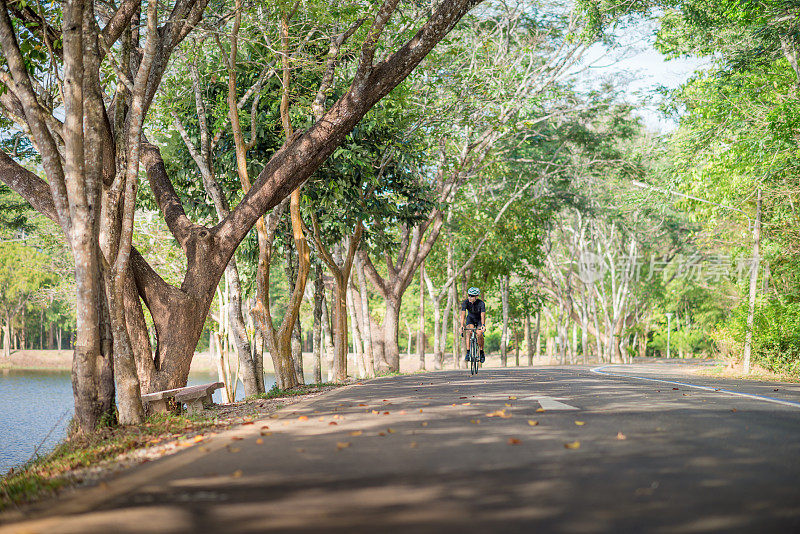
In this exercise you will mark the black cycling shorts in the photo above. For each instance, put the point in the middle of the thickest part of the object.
(473, 320)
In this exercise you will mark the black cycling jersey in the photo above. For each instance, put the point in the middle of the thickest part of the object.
(473, 309)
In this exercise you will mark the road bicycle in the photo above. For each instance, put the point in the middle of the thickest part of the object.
(474, 352)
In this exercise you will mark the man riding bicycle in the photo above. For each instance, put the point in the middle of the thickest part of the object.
(473, 311)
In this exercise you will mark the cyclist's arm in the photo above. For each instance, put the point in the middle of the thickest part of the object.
(483, 319)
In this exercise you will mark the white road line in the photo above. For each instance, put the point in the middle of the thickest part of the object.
(793, 404)
(549, 403)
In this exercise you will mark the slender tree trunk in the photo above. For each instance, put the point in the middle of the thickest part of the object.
(456, 334)
(238, 331)
(328, 338)
(319, 295)
(365, 313)
(537, 336)
(504, 339)
(516, 347)
(421, 327)
(358, 351)
(748, 343)
(528, 339)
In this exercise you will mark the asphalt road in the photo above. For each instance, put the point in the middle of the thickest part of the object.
(618, 449)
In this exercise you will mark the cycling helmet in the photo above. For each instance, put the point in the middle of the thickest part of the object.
(473, 292)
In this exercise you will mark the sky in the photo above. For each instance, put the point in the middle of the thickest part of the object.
(645, 71)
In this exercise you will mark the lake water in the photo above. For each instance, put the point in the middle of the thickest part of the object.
(36, 407)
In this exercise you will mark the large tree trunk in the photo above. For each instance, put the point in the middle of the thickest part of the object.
(328, 338)
(390, 331)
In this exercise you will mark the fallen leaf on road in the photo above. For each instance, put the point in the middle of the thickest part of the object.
(621, 436)
(513, 398)
(266, 433)
(303, 418)
(420, 410)
(513, 441)
(775, 390)
(507, 404)
(333, 423)
(424, 423)
(675, 389)
(540, 410)
(356, 432)
(376, 412)
(475, 421)
(236, 438)
(198, 439)
(234, 449)
(342, 445)
(259, 441)
(301, 450)
(381, 433)
(237, 473)
(247, 423)
(274, 416)
(337, 416)
(733, 410)
(573, 445)
(462, 397)
(580, 423)
(499, 413)
(402, 412)
(385, 413)
(413, 445)
(465, 403)
(362, 405)
(390, 430)
(532, 422)
(264, 427)
(204, 449)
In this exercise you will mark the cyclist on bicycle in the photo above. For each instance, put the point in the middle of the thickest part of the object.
(473, 311)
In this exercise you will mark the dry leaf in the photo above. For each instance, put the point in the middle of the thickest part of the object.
(413, 445)
(390, 430)
(381, 433)
(580, 423)
(266, 433)
(462, 397)
(274, 416)
(204, 449)
(356, 432)
(361, 405)
(198, 439)
(237, 473)
(733, 410)
(301, 450)
(621, 436)
(540, 410)
(236, 438)
(513, 398)
(342, 445)
(303, 418)
(385, 413)
(532, 422)
(259, 441)
(573, 445)
(234, 449)
(424, 423)
(507, 404)
(248, 423)
(475, 421)
(465, 403)
(513, 441)
(402, 412)
(333, 423)
(265, 427)
(499, 413)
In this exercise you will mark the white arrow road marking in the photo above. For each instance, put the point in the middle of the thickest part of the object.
(549, 403)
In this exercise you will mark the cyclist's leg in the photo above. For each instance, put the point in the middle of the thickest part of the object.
(480, 341)
(469, 323)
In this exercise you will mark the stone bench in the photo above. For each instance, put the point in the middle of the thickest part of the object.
(196, 398)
